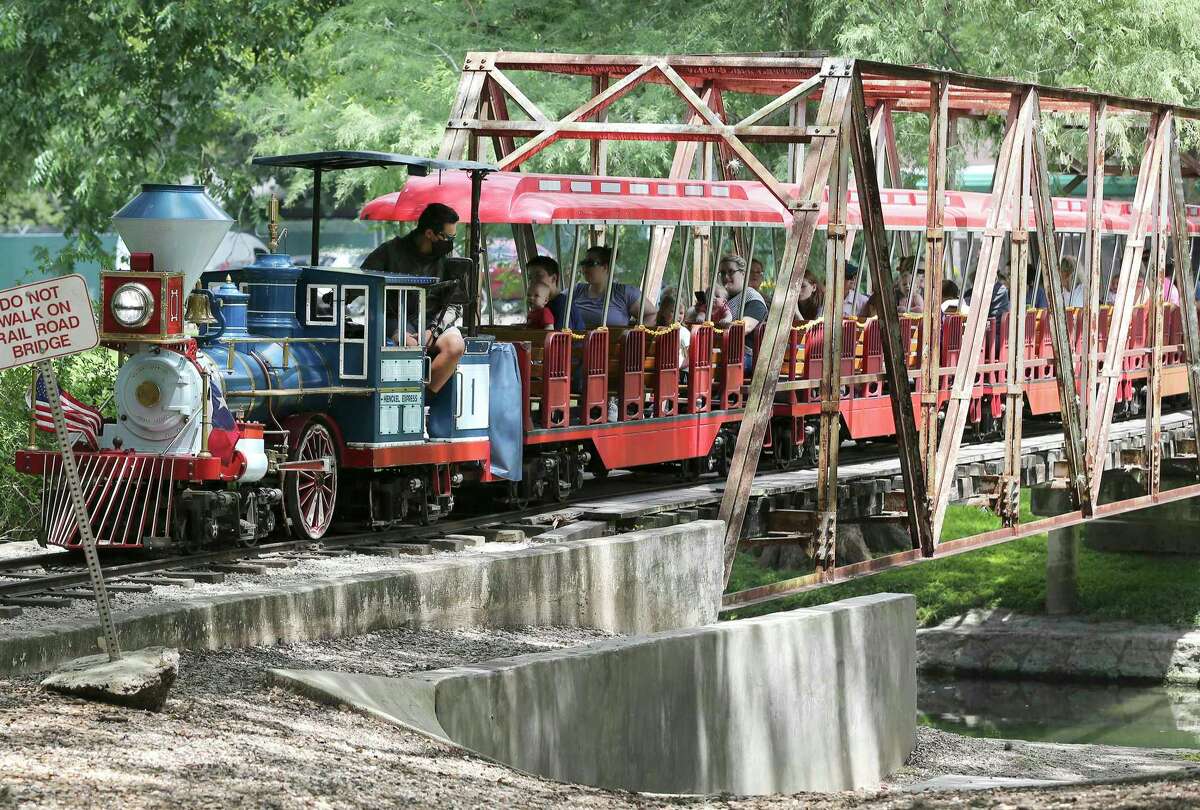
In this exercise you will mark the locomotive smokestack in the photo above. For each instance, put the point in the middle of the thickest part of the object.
(181, 225)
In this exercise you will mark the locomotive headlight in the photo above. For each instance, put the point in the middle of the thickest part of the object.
(132, 305)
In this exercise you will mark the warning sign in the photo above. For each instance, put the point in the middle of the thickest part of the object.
(44, 320)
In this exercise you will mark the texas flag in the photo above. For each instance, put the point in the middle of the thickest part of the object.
(224, 433)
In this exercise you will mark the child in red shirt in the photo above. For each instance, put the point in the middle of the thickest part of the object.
(540, 316)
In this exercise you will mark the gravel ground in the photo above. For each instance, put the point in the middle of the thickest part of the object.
(14, 549)
(305, 570)
(226, 739)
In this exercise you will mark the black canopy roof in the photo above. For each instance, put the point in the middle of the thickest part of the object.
(342, 159)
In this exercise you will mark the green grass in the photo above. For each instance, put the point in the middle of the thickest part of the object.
(1152, 589)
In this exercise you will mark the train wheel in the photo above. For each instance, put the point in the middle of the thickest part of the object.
(310, 497)
(783, 446)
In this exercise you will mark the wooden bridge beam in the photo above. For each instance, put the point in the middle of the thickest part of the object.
(875, 250)
(1043, 215)
(1100, 419)
(1180, 244)
(818, 162)
(931, 321)
(1093, 266)
(1155, 313)
(1004, 189)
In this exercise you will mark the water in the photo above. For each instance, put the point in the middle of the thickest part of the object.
(1102, 714)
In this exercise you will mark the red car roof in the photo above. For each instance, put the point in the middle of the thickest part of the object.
(544, 199)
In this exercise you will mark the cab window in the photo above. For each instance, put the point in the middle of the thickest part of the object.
(321, 308)
(354, 313)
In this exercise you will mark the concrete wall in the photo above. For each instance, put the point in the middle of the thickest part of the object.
(640, 582)
(1000, 643)
(813, 699)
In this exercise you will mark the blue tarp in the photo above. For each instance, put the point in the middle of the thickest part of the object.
(506, 409)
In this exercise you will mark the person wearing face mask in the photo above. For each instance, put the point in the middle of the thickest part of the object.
(422, 252)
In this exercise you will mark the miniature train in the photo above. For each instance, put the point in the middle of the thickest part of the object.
(290, 407)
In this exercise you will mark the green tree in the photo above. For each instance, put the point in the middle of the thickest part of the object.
(101, 95)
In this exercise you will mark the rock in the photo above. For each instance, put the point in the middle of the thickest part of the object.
(851, 546)
(140, 679)
(469, 540)
(447, 544)
(503, 535)
(885, 537)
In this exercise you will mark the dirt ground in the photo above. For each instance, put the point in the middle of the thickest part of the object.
(226, 739)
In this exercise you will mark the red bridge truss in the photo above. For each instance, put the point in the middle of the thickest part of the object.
(849, 144)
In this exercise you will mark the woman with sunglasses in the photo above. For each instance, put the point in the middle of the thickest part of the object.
(624, 306)
(745, 303)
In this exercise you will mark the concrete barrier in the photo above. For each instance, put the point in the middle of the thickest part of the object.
(640, 582)
(812, 699)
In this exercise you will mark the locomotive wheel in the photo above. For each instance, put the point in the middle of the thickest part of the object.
(310, 497)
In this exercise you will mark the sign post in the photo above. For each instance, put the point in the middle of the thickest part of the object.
(39, 322)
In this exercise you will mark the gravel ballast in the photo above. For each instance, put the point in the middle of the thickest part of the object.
(226, 739)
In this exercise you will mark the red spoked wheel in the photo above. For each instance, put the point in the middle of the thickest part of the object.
(310, 497)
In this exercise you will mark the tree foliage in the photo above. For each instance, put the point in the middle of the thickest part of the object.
(104, 94)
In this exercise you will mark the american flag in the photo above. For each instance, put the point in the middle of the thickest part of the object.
(82, 420)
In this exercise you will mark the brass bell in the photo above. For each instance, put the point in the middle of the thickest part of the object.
(198, 310)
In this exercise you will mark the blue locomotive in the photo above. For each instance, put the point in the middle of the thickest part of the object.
(277, 395)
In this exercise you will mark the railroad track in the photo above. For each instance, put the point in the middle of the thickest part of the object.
(57, 579)
(39, 580)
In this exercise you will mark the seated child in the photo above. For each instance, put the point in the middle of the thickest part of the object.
(540, 316)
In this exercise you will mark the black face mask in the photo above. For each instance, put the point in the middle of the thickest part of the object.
(443, 247)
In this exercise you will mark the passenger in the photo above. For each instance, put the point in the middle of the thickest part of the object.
(699, 311)
(757, 275)
(666, 317)
(1035, 291)
(540, 316)
(855, 300)
(1000, 298)
(544, 270)
(1139, 294)
(811, 302)
(745, 303)
(951, 300)
(1110, 297)
(1074, 292)
(873, 308)
(909, 284)
(624, 307)
(422, 252)
(1170, 291)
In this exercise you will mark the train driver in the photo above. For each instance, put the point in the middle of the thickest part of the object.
(422, 252)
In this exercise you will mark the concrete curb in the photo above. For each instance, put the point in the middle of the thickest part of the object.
(639, 582)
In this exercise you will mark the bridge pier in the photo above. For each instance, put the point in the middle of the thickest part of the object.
(1062, 568)
(1170, 528)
